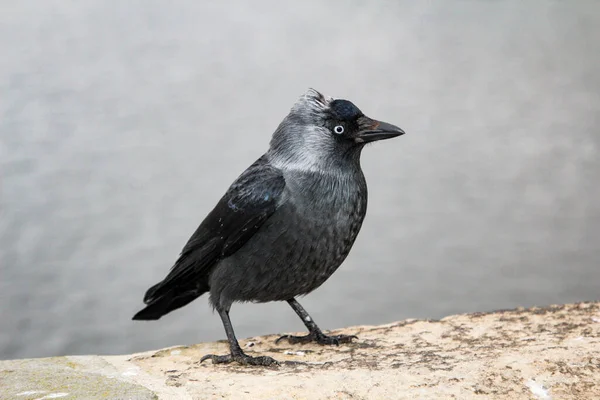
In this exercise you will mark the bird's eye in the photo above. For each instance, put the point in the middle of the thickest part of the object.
(338, 129)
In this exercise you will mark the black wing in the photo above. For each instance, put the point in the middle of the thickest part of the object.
(248, 203)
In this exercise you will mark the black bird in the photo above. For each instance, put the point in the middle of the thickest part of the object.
(284, 226)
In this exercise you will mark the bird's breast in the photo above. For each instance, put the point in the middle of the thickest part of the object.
(301, 245)
(329, 212)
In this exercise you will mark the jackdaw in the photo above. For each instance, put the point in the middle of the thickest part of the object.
(284, 226)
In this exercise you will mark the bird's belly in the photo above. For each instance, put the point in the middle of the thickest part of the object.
(290, 256)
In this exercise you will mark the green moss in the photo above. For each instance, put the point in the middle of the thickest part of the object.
(61, 375)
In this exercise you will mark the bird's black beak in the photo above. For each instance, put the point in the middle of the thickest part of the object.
(372, 130)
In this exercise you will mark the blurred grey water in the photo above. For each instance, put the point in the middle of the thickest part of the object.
(122, 123)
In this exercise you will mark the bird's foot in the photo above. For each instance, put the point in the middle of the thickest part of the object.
(318, 337)
(242, 359)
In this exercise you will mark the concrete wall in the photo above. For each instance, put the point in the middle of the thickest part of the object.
(538, 353)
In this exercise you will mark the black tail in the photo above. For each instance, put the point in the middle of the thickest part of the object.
(167, 301)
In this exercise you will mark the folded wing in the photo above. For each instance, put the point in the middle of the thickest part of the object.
(240, 213)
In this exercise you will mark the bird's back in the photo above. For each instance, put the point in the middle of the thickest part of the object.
(248, 203)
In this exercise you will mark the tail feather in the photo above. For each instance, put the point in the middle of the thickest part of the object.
(151, 293)
(169, 300)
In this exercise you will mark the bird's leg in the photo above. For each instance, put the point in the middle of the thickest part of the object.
(314, 332)
(236, 353)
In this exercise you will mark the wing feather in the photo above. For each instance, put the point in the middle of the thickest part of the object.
(240, 213)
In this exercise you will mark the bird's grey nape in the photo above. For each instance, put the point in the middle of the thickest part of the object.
(301, 142)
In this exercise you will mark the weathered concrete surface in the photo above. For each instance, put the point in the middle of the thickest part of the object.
(66, 378)
(538, 353)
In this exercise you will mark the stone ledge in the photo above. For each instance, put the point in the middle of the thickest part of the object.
(537, 353)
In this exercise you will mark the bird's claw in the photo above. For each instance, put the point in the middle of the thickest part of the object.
(319, 338)
(242, 359)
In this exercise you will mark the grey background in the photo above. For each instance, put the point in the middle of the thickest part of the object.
(122, 123)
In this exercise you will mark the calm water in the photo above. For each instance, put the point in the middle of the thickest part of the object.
(122, 123)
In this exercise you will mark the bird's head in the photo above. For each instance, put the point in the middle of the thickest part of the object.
(321, 131)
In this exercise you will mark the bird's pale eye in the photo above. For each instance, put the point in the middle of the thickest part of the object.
(338, 129)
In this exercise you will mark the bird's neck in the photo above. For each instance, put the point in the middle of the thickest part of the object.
(327, 197)
(324, 183)
(339, 164)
